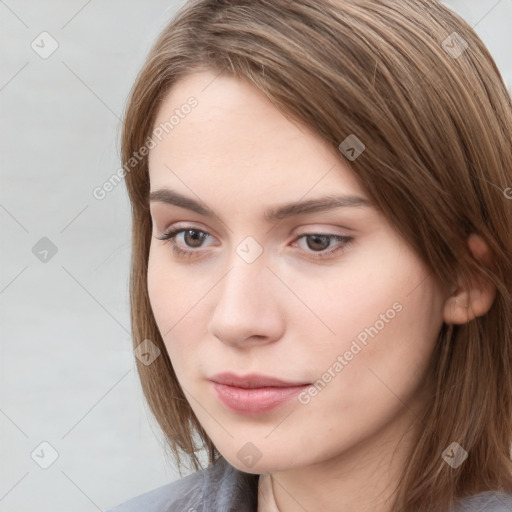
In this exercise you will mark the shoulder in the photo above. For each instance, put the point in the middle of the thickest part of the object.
(489, 501)
(218, 487)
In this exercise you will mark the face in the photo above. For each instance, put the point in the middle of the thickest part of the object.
(330, 300)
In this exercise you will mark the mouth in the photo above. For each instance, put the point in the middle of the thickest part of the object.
(254, 380)
(254, 394)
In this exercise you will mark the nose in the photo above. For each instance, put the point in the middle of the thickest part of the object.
(247, 310)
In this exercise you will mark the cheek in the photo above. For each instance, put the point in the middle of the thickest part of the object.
(175, 298)
(390, 366)
(160, 290)
(385, 320)
(172, 292)
(368, 293)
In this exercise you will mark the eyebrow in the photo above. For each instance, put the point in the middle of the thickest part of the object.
(320, 204)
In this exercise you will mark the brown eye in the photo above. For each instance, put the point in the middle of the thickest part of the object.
(193, 237)
(319, 242)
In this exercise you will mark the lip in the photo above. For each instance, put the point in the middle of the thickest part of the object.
(254, 394)
(253, 380)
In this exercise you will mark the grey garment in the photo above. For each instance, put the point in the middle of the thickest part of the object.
(218, 488)
(491, 501)
(223, 488)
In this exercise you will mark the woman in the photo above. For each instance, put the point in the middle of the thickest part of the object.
(321, 274)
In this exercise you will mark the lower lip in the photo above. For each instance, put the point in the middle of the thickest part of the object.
(255, 400)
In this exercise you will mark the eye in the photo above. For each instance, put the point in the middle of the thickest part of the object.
(192, 235)
(193, 238)
(319, 242)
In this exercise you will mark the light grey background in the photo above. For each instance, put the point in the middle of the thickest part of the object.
(67, 371)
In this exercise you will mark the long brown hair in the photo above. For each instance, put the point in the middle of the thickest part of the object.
(415, 84)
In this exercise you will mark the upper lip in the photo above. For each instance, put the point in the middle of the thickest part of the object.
(253, 380)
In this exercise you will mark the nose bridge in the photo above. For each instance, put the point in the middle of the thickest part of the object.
(244, 305)
(247, 264)
(243, 284)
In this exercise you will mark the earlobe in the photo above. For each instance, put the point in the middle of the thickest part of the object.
(464, 305)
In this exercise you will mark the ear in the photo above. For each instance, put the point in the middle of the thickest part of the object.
(465, 305)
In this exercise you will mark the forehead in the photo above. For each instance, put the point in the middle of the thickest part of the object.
(235, 139)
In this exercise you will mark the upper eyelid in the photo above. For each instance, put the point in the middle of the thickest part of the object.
(310, 231)
(308, 218)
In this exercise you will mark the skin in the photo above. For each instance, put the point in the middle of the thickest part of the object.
(289, 313)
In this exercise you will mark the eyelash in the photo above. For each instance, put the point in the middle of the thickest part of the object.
(169, 237)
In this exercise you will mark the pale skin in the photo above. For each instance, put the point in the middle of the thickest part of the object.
(290, 313)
